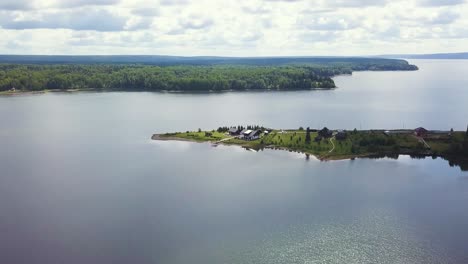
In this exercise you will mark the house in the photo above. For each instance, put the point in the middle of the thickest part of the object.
(234, 131)
(325, 132)
(255, 134)
(244, 133)
(341, 135)
(420, 132)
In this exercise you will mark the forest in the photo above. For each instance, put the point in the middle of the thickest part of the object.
(206, 76)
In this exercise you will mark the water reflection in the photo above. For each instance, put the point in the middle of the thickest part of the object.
(453, 162)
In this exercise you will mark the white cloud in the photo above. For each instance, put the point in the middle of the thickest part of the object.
(329, 23)
(256, 9)
(356, 3)
(16, 5)
(42, 4)
(146, 12)
(174, 2)
(78, 3)
(242, 27)
(196, 22)
(440, 2)
(82, 19)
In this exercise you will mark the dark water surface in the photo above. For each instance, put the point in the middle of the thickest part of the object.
(80, 181)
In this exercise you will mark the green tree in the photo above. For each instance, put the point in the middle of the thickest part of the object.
(307, 137)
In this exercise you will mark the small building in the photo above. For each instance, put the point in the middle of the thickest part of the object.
(234, 131)
(341, 135)
(325, 132)
(420, 132)
(255, 134)
(244, 133)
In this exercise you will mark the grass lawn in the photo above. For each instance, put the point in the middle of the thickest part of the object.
(198, 136)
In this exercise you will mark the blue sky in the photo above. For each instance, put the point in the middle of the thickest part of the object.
(233, 28)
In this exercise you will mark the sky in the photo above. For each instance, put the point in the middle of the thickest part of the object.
(233, 27)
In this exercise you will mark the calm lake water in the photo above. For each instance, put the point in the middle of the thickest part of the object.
(80, 181)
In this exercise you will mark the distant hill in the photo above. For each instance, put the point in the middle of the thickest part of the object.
(200, 60)
(435, 56)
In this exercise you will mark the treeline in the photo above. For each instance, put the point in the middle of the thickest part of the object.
(460, 146)
(178, 78)
(224, 129)
(174, 78)
(158, 60)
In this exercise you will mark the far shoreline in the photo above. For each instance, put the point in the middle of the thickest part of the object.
(96, 90)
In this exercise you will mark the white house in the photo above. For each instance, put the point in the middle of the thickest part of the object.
(254, 134)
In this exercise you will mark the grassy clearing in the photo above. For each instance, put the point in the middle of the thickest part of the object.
(197, 136)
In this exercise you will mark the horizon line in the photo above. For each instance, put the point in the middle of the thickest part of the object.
(227, 56)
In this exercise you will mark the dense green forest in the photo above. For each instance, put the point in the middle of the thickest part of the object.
(185, 77)
(177, 78)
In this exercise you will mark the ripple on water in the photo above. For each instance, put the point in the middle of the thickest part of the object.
(374, 238)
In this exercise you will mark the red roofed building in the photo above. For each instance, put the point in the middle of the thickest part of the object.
(420, 132)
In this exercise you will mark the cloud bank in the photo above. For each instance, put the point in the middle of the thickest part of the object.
(233, 28)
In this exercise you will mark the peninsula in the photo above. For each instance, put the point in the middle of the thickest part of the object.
(327, 144)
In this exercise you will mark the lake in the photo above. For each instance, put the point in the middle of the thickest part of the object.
(81, 181)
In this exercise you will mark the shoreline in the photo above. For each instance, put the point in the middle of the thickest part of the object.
(329, 157)
(318, 157)
(161, 137)
(357, 144)
(23, 92)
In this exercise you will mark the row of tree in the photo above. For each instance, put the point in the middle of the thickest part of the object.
(224, 129)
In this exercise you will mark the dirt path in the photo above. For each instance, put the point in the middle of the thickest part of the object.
(333, 144)
(425, 143)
